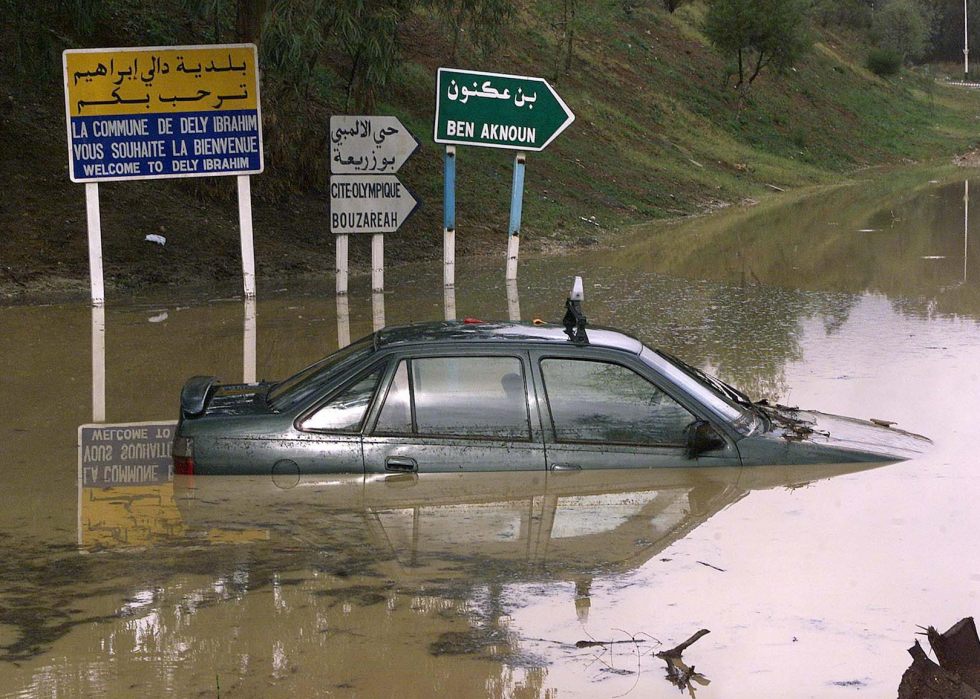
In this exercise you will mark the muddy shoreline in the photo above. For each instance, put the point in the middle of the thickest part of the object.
(284, 256)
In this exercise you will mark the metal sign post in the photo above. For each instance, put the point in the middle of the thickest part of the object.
(449, 220)
(245, 225)
(249, 343)
(494, 110)
(378, 262)
(513, 301)
(98, 363)
(449, 302)
(341, 264)
(94, 218)
(378, 310)
(966, 44)
(516, 203)
(343, 321)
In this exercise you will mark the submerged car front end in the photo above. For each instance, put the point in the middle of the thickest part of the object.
(794, 436)
(768, 434)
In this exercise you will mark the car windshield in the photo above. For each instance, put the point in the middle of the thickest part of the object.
(299, 387)
(726, 402)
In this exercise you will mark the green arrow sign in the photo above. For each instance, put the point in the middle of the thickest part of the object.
(497, 111)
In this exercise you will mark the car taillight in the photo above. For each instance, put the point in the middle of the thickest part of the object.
(183, 454)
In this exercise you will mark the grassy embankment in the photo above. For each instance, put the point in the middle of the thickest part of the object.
(655, 137)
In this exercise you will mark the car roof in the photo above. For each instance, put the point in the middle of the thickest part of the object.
(455, 332)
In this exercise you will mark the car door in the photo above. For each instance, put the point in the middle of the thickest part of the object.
(326, 438)
(601, 411)
(455, 412)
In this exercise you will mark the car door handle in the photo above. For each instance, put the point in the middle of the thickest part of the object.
(401, 464)
(565, 467)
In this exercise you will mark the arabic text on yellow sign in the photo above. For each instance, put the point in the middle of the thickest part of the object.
(161, 80)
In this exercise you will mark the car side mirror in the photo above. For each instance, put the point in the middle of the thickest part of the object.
(702, 437)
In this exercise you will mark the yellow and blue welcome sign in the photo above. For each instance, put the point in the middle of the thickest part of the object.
(178, 111)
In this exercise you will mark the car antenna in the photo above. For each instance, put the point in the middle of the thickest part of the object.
(574, 319)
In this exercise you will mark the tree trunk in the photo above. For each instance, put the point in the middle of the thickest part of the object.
(248, 27)
(758, 67)
(571, 36)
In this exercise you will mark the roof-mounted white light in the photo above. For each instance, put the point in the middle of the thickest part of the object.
(574, 319)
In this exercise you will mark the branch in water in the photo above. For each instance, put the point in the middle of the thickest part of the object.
(676, 651)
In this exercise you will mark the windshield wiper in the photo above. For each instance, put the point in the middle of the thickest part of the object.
(268, 392)
(720, 386)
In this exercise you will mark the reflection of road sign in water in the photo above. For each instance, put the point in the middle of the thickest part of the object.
(125, 455)
(126, 488)
(498, 111)
(368, 203)
(369, 145)
(177, 111)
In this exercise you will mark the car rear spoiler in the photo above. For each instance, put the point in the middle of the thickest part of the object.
(195, 395)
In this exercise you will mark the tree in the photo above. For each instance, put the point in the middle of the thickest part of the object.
(757, 34)
(946, 29)
(899, 26)
(480, 22)
(852, 14)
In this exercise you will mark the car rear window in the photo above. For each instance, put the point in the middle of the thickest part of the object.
(345, 411)
(313, 379)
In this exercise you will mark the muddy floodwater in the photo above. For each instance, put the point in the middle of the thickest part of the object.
(813, 581)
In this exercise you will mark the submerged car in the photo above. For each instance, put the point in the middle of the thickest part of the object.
(505, 396)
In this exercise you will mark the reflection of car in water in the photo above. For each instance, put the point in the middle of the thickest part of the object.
(564, 521)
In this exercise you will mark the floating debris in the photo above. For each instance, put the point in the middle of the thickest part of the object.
(680, 674)
(957, 676)
(711, 566)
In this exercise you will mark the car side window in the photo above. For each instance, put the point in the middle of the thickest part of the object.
(345, 411)
(592, 401)
(396, 413)
(480, 397)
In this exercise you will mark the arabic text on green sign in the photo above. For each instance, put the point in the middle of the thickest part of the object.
(497, 111)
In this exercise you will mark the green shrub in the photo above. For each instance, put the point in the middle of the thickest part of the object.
(884, 62)
(900, 26)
